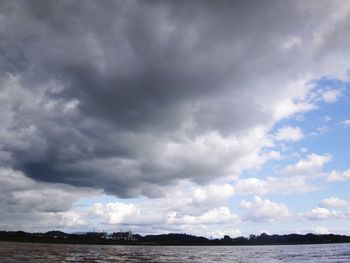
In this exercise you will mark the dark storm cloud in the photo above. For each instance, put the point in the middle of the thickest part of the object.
(98, 93)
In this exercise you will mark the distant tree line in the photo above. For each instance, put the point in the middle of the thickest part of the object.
(170, 239)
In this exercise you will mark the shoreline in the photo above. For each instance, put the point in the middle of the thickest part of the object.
(172, 239)
(167, 245)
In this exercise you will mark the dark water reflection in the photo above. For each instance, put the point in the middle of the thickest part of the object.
(28, 252)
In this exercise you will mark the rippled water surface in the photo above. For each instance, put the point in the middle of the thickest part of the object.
(28, 252)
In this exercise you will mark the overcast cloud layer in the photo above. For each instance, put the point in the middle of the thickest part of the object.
(133, 97)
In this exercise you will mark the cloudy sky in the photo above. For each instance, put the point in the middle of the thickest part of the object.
(204, 117)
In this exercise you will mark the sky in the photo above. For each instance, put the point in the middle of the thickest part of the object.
(199, 117)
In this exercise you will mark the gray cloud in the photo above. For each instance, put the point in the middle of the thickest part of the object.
(129, 96)
(22, 194)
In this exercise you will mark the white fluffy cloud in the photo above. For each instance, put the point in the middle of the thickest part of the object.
(118, 213)
(321, 213)
(333, 202)
(115, 213)
(264, 210)
(212, 194)
(289, 134)
(312, 164)
(339, 176)
(330, 96)
(220, 215)
(185, 208)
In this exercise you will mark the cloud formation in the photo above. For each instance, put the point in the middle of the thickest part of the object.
(265, 210)
(339, 176)
(133, 98)
(312, 164)
(289, 134)
(125, 96)
(333, 202)
(321, 213)
(332, 95)
(28, 204)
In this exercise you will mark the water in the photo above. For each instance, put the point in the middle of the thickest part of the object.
(29, 252)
